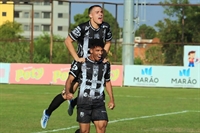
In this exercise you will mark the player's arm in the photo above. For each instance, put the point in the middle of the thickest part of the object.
(105, 52)
(74, 35)
(107, 46)
(68, 84)
(69, 45)
(73, 73)
(108, 38)
(109, 89)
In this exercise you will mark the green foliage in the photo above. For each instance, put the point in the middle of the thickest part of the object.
(170, 31)
(146, 32)
(12, 49)
(60, 53)
(10, 30)
(174, 11)
(42, 49)
(14, 52)
(81, 18)
(154, 55)
(115, 54)
(138, 61)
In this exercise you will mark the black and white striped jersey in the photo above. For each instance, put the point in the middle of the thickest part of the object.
(92, 77)
(84, 32)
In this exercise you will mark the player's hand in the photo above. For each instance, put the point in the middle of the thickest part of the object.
(69, 96)
(81, 60)
(111, 105)
(105, 60)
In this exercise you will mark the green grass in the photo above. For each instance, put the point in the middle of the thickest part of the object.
(138, 110)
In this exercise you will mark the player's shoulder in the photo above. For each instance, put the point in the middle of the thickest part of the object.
(105, 25)
(83, 25)
(107, 63)
(76, 63)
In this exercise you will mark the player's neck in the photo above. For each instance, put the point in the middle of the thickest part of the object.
(94, 25)
(92, 58)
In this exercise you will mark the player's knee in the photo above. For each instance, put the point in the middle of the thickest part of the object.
(84, 131)
(101, 126)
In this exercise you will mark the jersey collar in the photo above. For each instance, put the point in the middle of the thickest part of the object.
(91, 60)
(93, 27)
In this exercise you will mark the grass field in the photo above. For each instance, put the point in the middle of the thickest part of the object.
(138, 110)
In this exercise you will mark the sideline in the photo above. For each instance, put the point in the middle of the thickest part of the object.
(120, 120)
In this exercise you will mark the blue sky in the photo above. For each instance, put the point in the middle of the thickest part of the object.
(148, 15)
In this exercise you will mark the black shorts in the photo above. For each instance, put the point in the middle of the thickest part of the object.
(93, 114)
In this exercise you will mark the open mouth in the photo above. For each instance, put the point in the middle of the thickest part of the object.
(99, 56)
(100, 18)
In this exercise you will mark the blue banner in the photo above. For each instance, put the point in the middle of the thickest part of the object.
(4, 72)
(162, 76)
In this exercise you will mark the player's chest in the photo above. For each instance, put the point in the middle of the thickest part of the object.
(94, 70)
(91, 34)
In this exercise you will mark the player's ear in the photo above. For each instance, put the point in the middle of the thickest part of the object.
(91, 50)
(90, 15)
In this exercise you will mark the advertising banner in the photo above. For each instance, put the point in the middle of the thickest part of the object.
(137, 75)
(117, 75)
(161, 76)
(184, 77)
(52, 74)
(39, 73)
(191, 56)
(4, 72)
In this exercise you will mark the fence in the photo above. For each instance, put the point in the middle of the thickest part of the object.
(146, 12)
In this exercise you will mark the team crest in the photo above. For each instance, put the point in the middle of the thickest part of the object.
(96, 36)
(81, 114)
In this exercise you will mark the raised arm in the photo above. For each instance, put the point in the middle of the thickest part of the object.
(69, 45)
(107, 46)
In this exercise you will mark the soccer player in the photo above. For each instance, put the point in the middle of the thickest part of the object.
(95, 28)
(91, 98)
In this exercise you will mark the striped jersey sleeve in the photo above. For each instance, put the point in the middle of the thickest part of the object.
(75, 69)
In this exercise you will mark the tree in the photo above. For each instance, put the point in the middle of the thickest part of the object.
(170, 31)
(81, 18)
(154, 55)
(10, 30)
(60, 53)
(13, 50)
(146, 32)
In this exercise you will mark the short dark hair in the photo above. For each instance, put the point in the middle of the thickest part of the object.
(90, 8)
(96, 43)
(191, 52)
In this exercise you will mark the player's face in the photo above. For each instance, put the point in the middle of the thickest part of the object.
(96, 53)
(96, 15)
